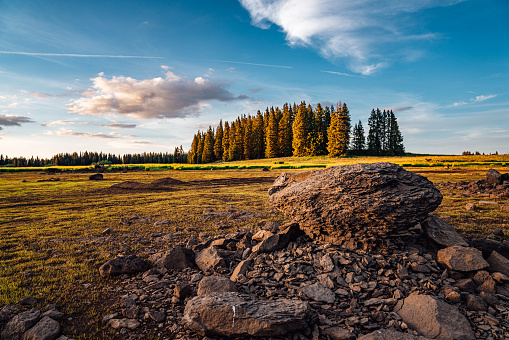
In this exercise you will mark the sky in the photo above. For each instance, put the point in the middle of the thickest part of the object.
(134, 76)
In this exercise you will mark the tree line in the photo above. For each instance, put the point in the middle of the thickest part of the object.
(89, 158)
(298, 130)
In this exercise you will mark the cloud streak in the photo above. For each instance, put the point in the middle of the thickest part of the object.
(68, 132)
(169, 97)
(341, 74)
(6, 120)
(41, 54)
(357, 30)
(253, 64)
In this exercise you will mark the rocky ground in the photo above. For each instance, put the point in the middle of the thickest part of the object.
(282, 281)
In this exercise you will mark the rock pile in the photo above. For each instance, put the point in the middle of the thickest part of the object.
(30, 324)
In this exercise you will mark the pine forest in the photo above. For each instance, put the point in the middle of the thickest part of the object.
(298, 130)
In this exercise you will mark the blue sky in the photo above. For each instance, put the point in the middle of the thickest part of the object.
(132, 76)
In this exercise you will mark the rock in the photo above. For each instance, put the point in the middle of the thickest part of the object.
(453, 297)
(215, 284)
(210, 259)
(28, 301)
(377, 197)
(270, 244)
(499, 263)
(176, 258)
(95, 177)
(338, 333)
(476, 303)
(470, 207)
(234, 314)
(493, 177)
(124, 323)
(499, 277)
(20, 324)
(319, 293)
(390, 334)
(465, 285)
(504, 207)
(107, 231)
(182, 290)
(262, 235)
(271, 226)
(162, 223)
(124, 265)
(487, 246)
(442, 233)
(45, 329)
(463, 259)
(434, 319)
(241, 269)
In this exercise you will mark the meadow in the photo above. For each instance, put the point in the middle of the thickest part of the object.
(51, 241)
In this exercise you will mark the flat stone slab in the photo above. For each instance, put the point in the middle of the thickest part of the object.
(234, 314)
(463, 259)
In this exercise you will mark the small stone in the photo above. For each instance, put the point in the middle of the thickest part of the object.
(337, 333)
(124, 323)
(319, 293)
(476, 303)
(182, 290)
(215, 284)
(470, 207)
(499, 263)
(28, 301)
(462, 259)
(107, 231)
(241, 269)
(453, 297)
(20, 324)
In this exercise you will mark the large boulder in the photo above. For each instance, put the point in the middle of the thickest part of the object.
(375, 198)
(442, 233)
(434, 318)
(234, 314)
(130, 264)
(461, 259)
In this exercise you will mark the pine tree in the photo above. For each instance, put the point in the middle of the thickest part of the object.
(218, 141)
(226, 141)
(231, 150)
(285, 132)
(248, 138)
(321, 130)
(300, 131)
(358, 140)
(239, 138)
(208, 147)
(258, 136)
(373, 134)
(395, 139)
(201, 142)
(271, 147)
(339, 132)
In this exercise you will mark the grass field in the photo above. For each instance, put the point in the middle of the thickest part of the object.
(50, 232)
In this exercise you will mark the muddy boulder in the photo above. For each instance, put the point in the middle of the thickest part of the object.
(376, 198)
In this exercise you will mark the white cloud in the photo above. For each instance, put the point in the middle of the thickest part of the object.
(340, 73)
(168, 97)
(356, 29)
(483, 98)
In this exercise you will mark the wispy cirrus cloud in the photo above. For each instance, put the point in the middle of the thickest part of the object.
(74, 55)
(169, 97)
(67, 132)
(483, 98)
(477, 99)
(7, 120)
(246, 63)
(341, 74)
(357, 30)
